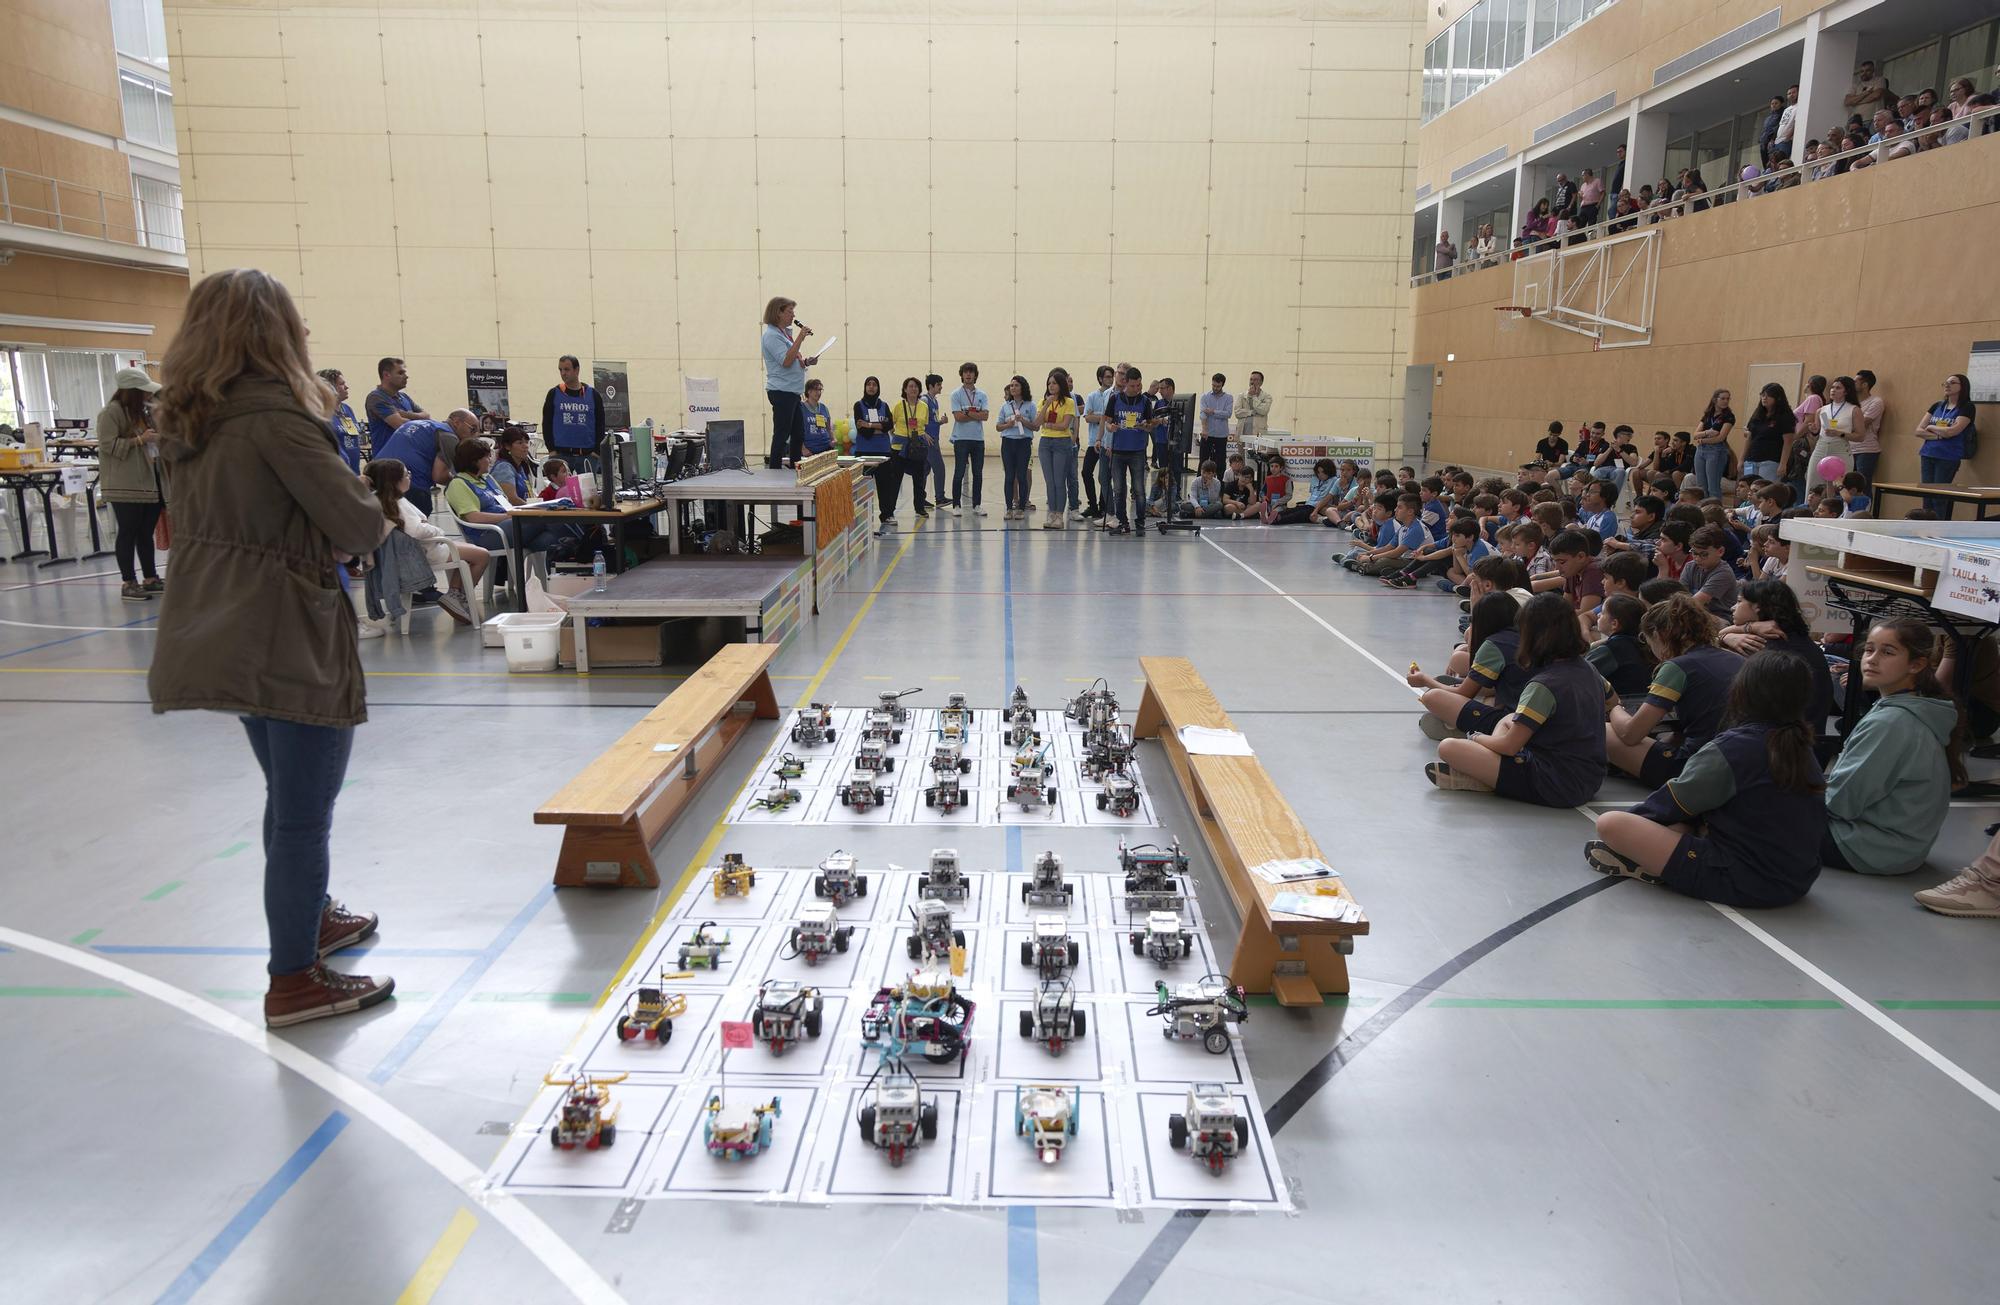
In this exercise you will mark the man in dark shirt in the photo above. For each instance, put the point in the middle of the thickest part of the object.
(1553, 449)
(1129, 417)
(389, 405)
(573, 418)
(1563, 204)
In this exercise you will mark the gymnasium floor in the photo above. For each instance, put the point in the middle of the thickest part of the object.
(1546, 1086)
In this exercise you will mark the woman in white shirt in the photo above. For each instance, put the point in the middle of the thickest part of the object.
(1482, 245)
(1839, 424)
(390, 480)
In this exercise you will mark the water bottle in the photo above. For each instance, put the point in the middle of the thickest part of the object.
(597, 574)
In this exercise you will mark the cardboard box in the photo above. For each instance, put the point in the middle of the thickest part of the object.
(628, 643)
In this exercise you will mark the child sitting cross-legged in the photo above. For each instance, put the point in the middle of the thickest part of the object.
(1371, 530)
(1436, 559)
(1742, 822)
(1452, 710)
(1692, 680)
(1402, 538)
(1619, 655)
(1550, 750)
(1239, 489)
(1890, 789)
(1468, 550)
(1204, 498)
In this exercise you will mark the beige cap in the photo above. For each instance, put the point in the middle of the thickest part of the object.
(134, 378)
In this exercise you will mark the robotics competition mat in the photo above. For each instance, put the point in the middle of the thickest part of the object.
(1049, 1071)
(922, 788)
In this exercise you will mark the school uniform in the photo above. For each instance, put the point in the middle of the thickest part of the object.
(1695, 687)
(1754, 843)
(1621, 659)
(1563, 703)
(1496, 667)
(1435, 520)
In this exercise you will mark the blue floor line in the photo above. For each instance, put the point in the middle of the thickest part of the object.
(57, 643)
(1024, 1286)
(430, 953)
(197, 1274)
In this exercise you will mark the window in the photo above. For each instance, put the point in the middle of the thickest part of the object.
(1545, 23)
(1970, 54)
(1488, 40)
(41, 385)
(1517, 32)
(139, 29)
(157, 205)
(149, 111)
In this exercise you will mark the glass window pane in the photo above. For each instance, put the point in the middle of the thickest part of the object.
(1545, 22)
(1475, 20)
(1912, 72)
(1970, 54)
(1517, 32)
(1568, 14)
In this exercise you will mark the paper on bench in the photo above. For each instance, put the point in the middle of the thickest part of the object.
(1318, 907)
(1294, 870)
(1201, 741)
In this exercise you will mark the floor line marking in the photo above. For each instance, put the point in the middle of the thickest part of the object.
(57, 643)
(1315, 617)
(558, 1256)
(134, 628)
(1937, 1059)
(66, 580)
(234, 848)
(84, 937)
(212, 1256)
(1024, 1283)
(163, 890)
(430, 1274)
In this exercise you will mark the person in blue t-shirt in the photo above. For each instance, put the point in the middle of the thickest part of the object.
(346, 430)
(968, 440)
(426, 448)
(934, 453)
(1594, 510)
(1405, 538)
(1096, 461)
(1128, 422)
(819, 424)
(389, 405)
(1431, 508)
(785, 363)
(573, 418)
(1947, 428)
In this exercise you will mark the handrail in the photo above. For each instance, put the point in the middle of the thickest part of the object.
(1792, 174)
(72, 209)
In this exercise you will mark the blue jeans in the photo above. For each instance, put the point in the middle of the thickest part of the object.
(968, 453)
(1128, 469)
(1014, 459)
(936, 456)
(303, 768)
(1865, 463)
(1059, 473)
(1938, 471)
(1711, 464)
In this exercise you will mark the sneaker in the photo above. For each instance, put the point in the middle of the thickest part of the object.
(1449, 680)
(133, 592)
(884, 530)
(978, 511)
(1451, 781)
(1597, 854)
(1436, 730)
(1445, 586)
(370, 630)
(949, 509)
(155, 586)
(1062, 523)
(1969, 895)
(923, 514)
(1465, 604)
(319, 992)
(453, 605)
(425, 597)
(1050, 522)
(1121, 529)
(340, 927)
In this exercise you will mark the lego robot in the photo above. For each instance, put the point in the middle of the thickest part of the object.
(787, 1012)
(738, 1132)
(1119, 796)
(1051, 951)
(1046, 1115)
(1201, 1011)
(814, 725)
(932, 937)
(943, 879)
(1046, 886)
(818, 932)
(586, 1120)
(734, 879)
(1055, 1021)
(649, 1014)
(1209, 1128)
(838, 881)
(1162, 941)
(895, 1117)
(702, 949)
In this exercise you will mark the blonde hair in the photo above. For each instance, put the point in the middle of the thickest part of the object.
(238, 323)
(776, 306)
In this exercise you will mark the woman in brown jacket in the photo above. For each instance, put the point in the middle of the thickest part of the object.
(265, 513)
(128, 478)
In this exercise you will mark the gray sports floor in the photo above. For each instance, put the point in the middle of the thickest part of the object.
(1535, 1094)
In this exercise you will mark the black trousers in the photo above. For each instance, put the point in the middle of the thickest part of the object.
(1091, 457)
(788, 427)
(135, 538)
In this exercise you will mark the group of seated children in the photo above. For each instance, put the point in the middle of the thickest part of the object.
(1673, 652)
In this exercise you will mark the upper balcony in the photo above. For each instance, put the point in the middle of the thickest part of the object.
(49, 216)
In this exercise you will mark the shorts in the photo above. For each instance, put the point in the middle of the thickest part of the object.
(1698, 868)
(1482, 717)
(1526, 777)
(1663, 762)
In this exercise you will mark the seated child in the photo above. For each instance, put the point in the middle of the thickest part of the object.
(1594, 509)
(1888, 793)
(1827, 508)
(562, 482)
(1317, 494)
(1767, 615)
(1401, 540)
(1670, 555)
(1582, 577)
(1659, 589)
(1742, 822)
(1854, 495)
(1692, 680)
(1774, 554)
(1156, 495)
(1619, 656)
(1429, 559)
(1451, 709)
(1644, 535)
(1708, 575)
(1624, 573)
(1550, 751)
(390, 480)
(1277, 490)
(1468, 550)
(1239, 489)
(1204, 498)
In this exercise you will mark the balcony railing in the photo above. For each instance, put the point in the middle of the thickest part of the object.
(66, 208)
(1981, 122)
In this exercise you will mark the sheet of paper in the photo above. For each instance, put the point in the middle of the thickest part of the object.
(1294, 870)
(1317, 907)
(1201, 741)
(826, 348)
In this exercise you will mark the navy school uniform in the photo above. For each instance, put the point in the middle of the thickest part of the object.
(1754, 843)
(1621, 659)
(1563, 765)
(1495, 667)
(1695, 687)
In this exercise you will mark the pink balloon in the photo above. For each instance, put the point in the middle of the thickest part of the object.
(1832, 468)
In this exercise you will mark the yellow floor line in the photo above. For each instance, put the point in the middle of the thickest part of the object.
(430, 1274)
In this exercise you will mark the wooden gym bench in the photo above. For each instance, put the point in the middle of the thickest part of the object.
(617, 808)
(1246, 821)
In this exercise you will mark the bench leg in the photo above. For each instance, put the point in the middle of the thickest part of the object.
(598, 856)
(1151, 715)
(1300, 977)
(764, 696)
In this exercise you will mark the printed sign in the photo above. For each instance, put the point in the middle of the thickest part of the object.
(1814, 599)
(1984, 371)
(1971, 587)
(614, 393)
(486, 387)
(704, 400)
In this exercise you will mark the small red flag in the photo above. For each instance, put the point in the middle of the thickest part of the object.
(736, 1034)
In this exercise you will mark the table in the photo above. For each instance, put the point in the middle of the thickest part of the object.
(73, 448)
(747, 587)
(617, 518)
(1886, 569)
(1981, 497)
(45, 478)
(776, 486)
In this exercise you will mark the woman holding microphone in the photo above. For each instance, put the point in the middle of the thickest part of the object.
(785, 381)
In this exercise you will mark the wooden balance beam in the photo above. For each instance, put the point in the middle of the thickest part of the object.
(618, 806)
(1245, 821)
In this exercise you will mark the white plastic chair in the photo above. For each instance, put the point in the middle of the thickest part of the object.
(494, 540)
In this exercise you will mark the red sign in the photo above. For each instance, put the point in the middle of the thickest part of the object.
(736, 1034)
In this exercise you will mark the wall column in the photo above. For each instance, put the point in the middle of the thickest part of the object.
(1450, 221)
(1645, 149)
(1531, 183)
(1826, 70)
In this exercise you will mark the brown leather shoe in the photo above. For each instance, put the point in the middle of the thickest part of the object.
(319, 992)
(340, 927)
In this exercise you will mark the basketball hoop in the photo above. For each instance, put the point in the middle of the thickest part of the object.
(1512, 315)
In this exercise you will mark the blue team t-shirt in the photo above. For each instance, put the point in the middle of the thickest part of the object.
(1412, 536)
(1432, 514)
(1605, 523)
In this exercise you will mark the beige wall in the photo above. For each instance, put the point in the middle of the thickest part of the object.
(1882, 269)
(1188, 186)
(1616, 51)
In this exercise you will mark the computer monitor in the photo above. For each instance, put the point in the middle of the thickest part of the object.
(725, 445)
(628, 460)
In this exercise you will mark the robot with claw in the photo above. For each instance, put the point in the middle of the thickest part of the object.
(1201, 1011)
(814, 725)
(888, 716)
(943, 879)
(933, 939)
